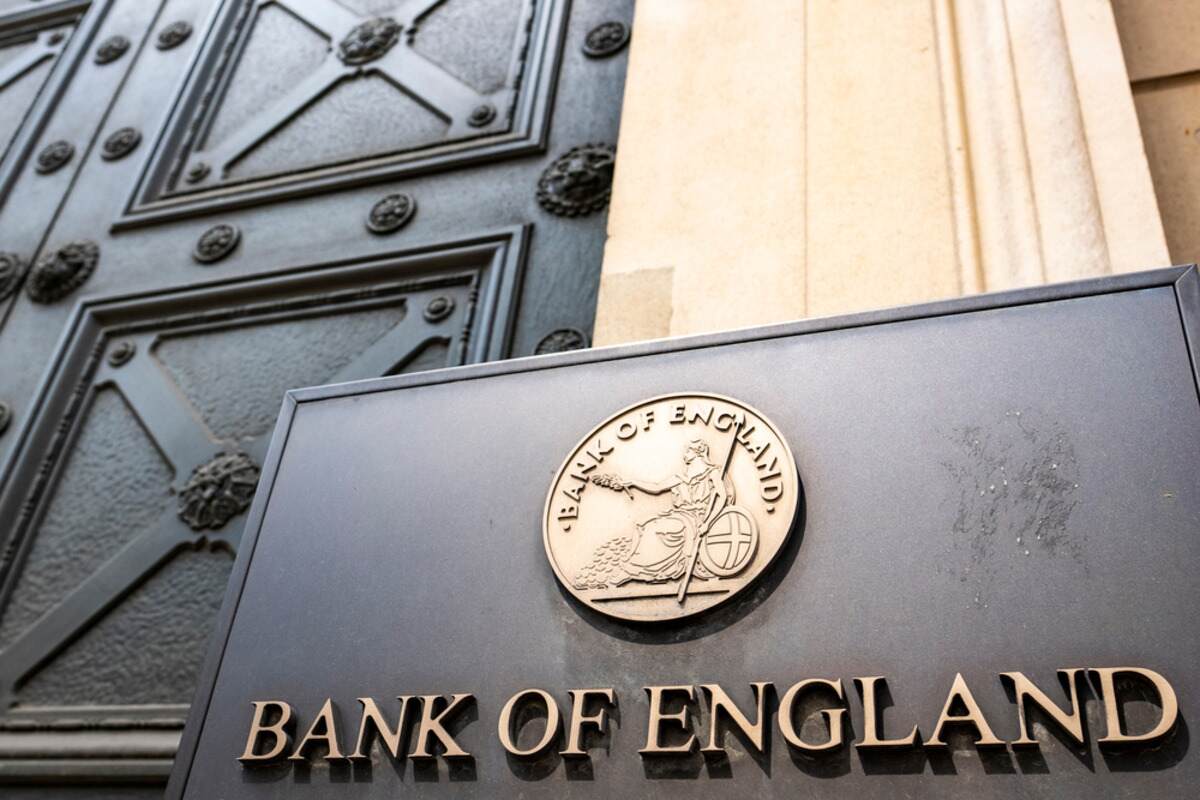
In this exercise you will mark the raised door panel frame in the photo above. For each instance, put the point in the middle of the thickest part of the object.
(150, 202)
(72, 105)
(33, 21)
(120, 743)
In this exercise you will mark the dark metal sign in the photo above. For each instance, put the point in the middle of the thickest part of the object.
(983, 584)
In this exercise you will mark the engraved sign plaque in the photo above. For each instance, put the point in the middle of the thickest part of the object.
(942, 551)
(701, 495)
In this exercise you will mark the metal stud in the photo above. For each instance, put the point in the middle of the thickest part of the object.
(216, 243)
(12, 269)
(198, 172)
(439, 308)
(561, 340)
(120, 143)
(111, 49)
(121, 353)
(481, 115)
(391, 213)
(606, 39)
(173, 35)
(54, 156)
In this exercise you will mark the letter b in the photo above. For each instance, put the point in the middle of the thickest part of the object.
(257, 729)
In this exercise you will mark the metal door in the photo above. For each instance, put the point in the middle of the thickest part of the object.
(204, 203)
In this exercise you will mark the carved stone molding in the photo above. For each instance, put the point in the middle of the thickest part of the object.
(58, 273)
(218, 491)
(561, 340)
(438, 308)
(579, 182)
(54, 156)
(1052, 176)
(391, 213)
(606, 39)
(6, 416)
(120, 143)
(216, 243)
(369, 40)
(111, 49)
(173, 35)
(12, 267)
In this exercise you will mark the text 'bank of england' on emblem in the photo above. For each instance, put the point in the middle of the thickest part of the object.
(670, 507)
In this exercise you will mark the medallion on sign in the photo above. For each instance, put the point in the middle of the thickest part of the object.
(671, 507)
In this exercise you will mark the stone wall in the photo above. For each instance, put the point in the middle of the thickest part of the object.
(781, 159)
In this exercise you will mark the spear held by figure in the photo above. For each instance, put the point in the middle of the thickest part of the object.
(709, 518)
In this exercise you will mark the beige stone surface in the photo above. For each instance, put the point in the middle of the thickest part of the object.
(1001, 203)
(710, 165)
(880, 213)
(1133, 227)
(637, 304)
(1170, 113)
(1060, 182)
(1070, 227)
(1159, 37)
(958, 152)
(827, 157)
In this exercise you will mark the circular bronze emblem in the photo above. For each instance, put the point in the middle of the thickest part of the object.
(670, 507)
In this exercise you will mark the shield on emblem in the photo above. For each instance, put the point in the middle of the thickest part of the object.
(730, 543)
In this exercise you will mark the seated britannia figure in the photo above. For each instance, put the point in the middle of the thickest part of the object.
(661, 547)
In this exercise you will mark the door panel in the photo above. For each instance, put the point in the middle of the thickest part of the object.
(25, 63)
(145, 651)
(391, 187)
(32, 41)
(316, 94)
(131, 491)
(56, 133)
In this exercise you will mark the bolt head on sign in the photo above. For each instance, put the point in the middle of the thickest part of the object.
(670, 507)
